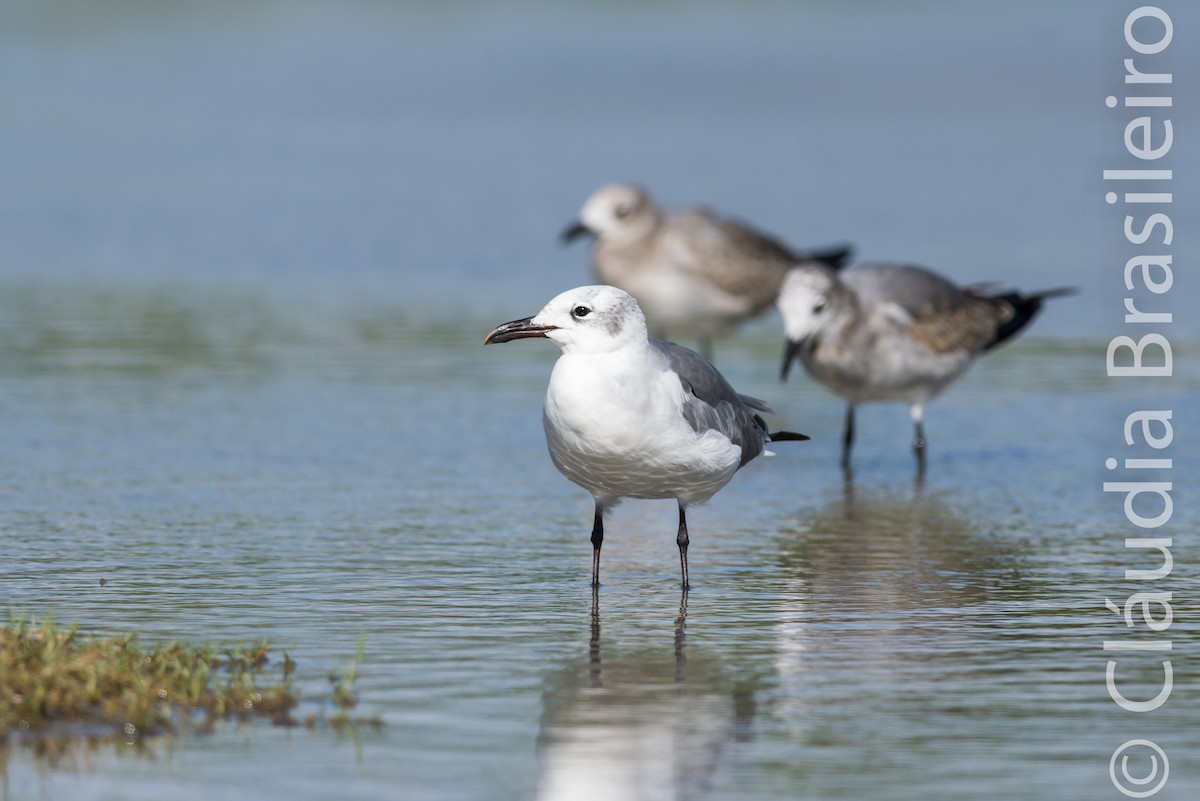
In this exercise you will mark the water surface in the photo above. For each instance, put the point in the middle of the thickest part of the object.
(247, 259)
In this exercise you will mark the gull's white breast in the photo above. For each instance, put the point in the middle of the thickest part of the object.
(614, 426)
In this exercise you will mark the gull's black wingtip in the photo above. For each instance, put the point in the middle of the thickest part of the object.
(835, 257)
(1024, 309)
(1061, 292)
(788, 436)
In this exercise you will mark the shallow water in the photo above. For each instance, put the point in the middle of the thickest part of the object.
(242, 382)
(870, 641)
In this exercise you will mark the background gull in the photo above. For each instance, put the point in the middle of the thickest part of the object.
(693, 272)
(893, 332)
(631, 417)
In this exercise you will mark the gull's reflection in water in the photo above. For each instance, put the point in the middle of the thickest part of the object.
(879, 551)
(878, 585)
(640, 724)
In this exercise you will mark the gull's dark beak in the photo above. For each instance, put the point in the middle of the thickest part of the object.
(790, 351)
(574, 231)
(517, 329)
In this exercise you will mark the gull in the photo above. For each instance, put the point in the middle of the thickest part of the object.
(627, 416)
(877, 332)
(693, 272)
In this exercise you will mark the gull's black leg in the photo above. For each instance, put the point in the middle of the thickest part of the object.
(681, 539)
(919, 449)
(848, 438)
(597, 541)
(918, 413)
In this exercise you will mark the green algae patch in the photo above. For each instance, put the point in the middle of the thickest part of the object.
(55, 681)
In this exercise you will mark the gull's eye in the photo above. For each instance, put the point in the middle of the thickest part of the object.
(622, 211)
(818, 307)
(579, 312)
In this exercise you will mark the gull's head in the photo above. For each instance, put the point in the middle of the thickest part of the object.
(807, 298)
(615, 212)
(588, 319)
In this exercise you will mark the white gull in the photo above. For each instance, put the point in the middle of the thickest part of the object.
(627, 416)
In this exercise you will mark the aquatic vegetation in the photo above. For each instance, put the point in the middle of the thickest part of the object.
(53, 677)
(343, 695)
(55, 682)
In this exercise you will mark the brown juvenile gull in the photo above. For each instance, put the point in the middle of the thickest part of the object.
(693, 272)
(627, 416)
(877, 332)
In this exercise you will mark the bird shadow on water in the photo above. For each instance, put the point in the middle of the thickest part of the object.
(639, 723)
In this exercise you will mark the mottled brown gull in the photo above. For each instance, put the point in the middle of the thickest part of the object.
(693, 272)
(877, 332)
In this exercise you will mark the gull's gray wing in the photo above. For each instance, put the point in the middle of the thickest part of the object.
(935, 311)
(733, 257)
(744, 239)
(713, 404)
(918, 291)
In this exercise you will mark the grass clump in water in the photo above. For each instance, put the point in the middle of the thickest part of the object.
(51, 677)
(344, 696)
